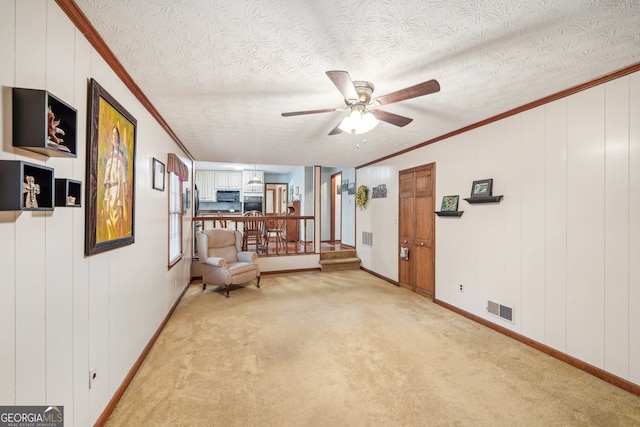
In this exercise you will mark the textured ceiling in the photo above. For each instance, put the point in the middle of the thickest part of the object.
(220, 72)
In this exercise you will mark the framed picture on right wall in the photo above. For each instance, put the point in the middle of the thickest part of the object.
(449, 203)
(482, 188)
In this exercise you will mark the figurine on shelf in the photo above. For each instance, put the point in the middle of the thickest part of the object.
(31, 190)
(53, 131)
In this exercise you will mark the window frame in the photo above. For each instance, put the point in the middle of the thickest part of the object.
(175, 252)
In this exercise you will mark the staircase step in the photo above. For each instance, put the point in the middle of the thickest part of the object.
(335, 264)
(346, 253)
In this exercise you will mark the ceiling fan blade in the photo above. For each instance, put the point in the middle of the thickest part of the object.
(300, 113)
(336, 130)
(394, 119)
(424, 88)
(343, 82)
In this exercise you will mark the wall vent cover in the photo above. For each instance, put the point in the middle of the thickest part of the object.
(502, 311)
(367, 238)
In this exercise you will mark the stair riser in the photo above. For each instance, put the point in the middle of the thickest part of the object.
(338, 254)
(340, 267)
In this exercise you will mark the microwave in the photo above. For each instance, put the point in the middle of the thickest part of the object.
(228, 196)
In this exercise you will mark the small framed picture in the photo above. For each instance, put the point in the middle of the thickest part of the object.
(482, 188)
(158, 175)
(351, 188)
(449, 203)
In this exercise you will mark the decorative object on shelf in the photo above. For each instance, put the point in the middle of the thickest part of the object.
(351, 188)
(450, 207)
(40, 121)
(25, 186)
(53, 130)
(362, 195)
(482, 188)
(111, 149)
(449, 203)
(68, 192)
(379, 192)
(158, 174)
(482, 192)
(31, 190)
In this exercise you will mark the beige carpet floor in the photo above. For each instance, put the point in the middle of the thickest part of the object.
(348, 349)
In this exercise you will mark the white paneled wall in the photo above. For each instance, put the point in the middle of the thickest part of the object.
(633, 301)
(562, 248)
(616, 226)
(61, 312)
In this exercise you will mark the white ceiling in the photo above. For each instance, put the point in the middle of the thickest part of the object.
(221, 72)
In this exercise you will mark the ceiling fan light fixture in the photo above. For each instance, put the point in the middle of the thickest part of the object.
(358, 121)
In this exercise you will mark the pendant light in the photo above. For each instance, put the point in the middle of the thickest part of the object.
(255, 180)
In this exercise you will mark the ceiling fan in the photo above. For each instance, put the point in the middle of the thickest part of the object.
(363, 111)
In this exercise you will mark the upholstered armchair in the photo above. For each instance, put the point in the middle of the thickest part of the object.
(223, 261)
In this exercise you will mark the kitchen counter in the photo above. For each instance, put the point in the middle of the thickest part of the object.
(223, 212)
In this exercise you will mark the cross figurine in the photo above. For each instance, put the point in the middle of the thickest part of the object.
(32, 190)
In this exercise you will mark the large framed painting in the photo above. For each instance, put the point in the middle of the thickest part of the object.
(111, 150)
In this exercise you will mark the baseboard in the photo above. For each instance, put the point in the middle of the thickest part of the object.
(577, 363)
(101, 421)
(379, 276)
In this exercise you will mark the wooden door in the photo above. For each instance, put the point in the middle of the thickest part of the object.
(406, 228)
(416, 221)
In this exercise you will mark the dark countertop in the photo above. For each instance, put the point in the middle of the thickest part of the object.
(222, 211)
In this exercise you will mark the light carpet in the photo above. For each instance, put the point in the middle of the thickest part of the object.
(348, 349)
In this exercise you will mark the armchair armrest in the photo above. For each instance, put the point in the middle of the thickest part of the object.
(216, 261)
(246, 256)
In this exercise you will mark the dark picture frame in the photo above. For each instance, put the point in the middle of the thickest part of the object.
(450, 203)
(482, 188)
(159, 173)
(110, 189)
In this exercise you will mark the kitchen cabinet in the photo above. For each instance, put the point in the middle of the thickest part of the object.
(252, 188)
(228, 180)
(205, 180)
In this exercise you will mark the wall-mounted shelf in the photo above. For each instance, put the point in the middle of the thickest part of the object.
(484, 199)
(31, 123)
(450, 213)
(68, 193)
(17, 195)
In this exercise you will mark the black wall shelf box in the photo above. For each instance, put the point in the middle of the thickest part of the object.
(484, 199)
(12, 190)
(66, 189)
(31, 125)
(450, 213)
